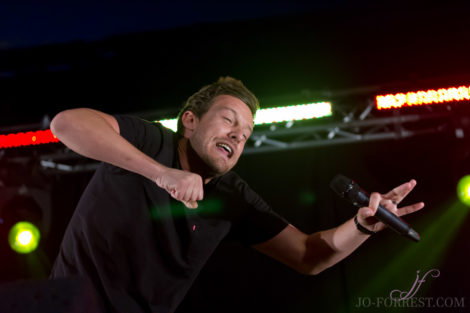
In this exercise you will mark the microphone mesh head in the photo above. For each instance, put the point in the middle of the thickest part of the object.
(341, 185)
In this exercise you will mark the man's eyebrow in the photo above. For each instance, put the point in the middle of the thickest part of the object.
(236, 114)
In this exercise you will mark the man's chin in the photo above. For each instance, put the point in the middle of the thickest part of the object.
(216, 172)
(219, 170)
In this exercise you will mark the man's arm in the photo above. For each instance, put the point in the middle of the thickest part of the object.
(96, 135)
(311, 254)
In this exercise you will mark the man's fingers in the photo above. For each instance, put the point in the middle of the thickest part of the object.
(195, 192)
(389, 205)
(190, 204)
(365, 217)
(410, 209)
(374, 202)
(365, 213)
(188, 196)
(198, 192)
(201, 194)
(183, 186)
(397, 194)
(188, 192)
(389, 201)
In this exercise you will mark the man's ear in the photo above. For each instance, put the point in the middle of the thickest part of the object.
(190, 121)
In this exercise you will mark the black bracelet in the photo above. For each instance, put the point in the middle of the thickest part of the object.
(361, 228)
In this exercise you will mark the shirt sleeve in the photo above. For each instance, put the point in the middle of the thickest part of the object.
(257, 221)
(144, 135)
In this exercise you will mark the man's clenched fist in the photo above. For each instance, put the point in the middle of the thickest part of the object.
(183, 186)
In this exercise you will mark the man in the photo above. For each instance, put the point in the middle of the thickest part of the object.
(142, 250)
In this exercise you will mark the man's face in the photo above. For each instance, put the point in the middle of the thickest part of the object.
(219, 136)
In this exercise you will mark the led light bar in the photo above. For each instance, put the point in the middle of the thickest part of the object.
(293, 113)
(418, 98)
(263, 116)
(170, 124)
(279, 114)
(27, 139)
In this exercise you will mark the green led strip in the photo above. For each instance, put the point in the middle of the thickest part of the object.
(279, 114)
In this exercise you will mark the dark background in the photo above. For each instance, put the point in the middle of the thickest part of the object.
(146, 58)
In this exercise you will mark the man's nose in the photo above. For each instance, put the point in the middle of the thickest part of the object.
(236, 135)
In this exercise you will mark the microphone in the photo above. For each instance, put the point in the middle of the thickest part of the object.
(349, 189)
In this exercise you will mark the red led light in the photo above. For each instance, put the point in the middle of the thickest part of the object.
(27, 139)
(427, 97)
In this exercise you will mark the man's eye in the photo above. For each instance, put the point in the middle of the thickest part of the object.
(228, 119)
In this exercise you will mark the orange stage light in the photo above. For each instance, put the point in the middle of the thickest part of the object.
(417, 98)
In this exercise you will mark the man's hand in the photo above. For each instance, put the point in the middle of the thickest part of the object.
(390, 201)
(183, 186)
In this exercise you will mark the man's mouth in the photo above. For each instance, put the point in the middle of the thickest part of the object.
(226, 148)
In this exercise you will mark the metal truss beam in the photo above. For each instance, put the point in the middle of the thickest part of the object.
(349, 131)
(348, 125)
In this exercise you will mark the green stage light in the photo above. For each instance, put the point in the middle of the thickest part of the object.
(279, 114)
(463, 190)
(24, 237)
(170, 124)
(293, 113)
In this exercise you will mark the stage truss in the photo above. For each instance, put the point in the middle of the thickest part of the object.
(348, 124)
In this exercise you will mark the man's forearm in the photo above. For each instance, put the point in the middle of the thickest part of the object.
(311, 254)
(92, 134)
(326, 248)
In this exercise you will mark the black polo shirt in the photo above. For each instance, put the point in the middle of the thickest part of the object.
(142, 249)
